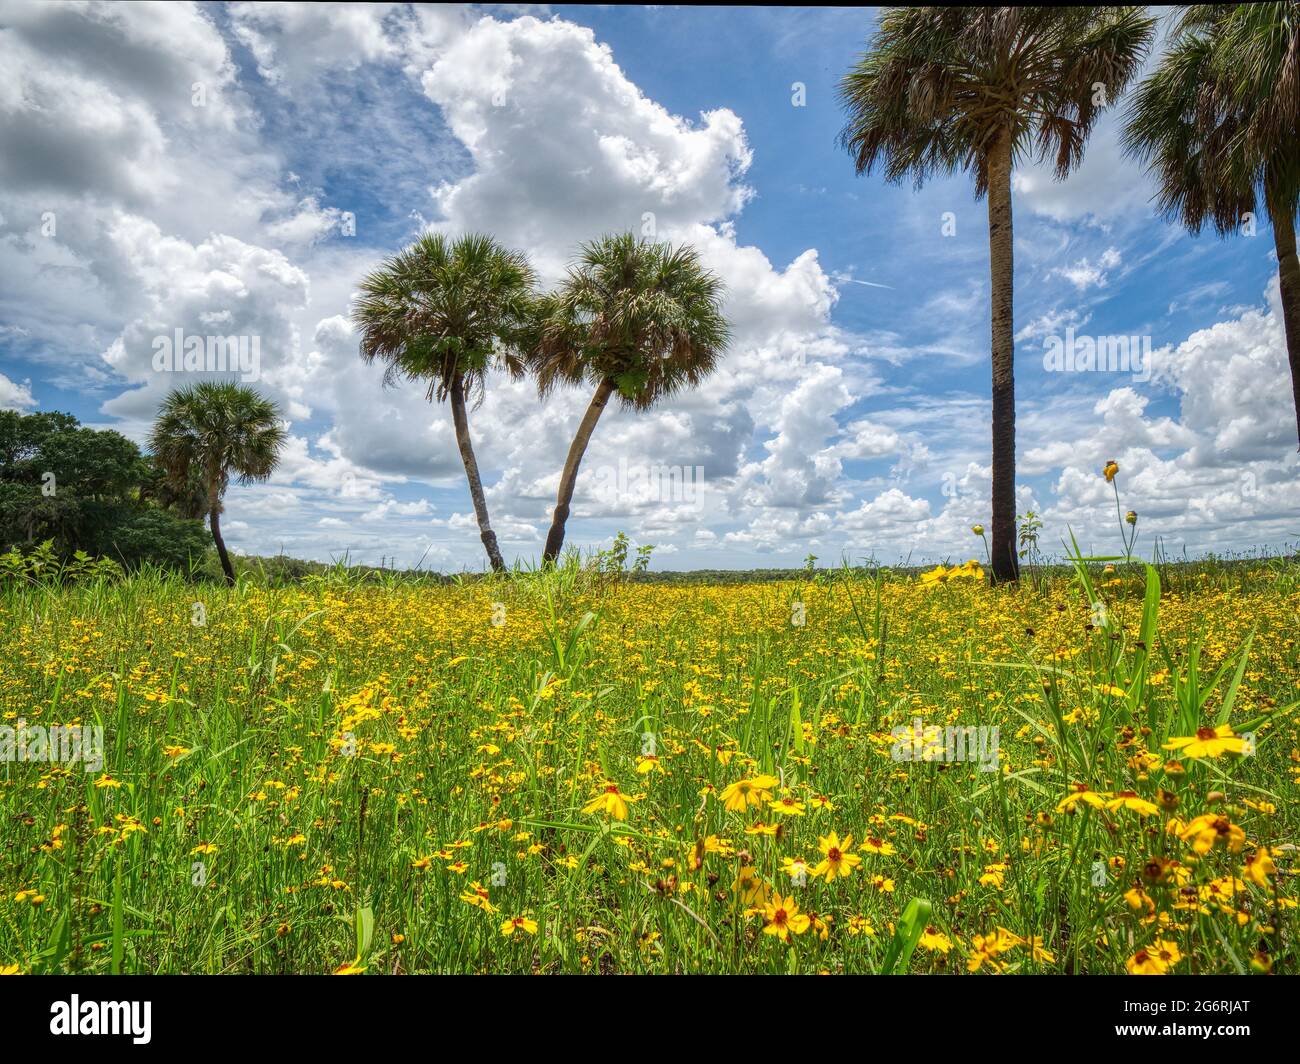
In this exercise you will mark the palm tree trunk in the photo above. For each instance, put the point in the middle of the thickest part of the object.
(1288, 269)
(1003, 549)
(226, 567)
(466, 445)
(569, 478)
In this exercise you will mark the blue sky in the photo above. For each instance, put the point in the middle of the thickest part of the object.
(851, 415)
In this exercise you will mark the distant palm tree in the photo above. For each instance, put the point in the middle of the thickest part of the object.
(635, 318)
(215, 431)
(1219, 122)
(444, 311)
(979, 89)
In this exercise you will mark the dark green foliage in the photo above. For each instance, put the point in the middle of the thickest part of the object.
(90, 490)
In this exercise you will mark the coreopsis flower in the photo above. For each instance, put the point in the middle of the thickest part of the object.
(477, 896)
(1221, 891)
(985, 949)
(1081, 793)
(352, 967)
(750, 887)
(1208, 829)
(977, 529)
(837, 861)
(1131, 517)
(860, 925)
(935, 575)
(648, 764)
(1161, 870)
(737, 797)
(608, 801)
(1166, 952)
(518, 923)
(787, 806)
(1259, 866)
(1145, 962)
(934, 941)
(782, 917)
(1109, 470)
(1131, 801)
(713, 844)
(1209, 742)
(871, 844)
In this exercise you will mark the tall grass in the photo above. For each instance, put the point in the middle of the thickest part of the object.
(294, 784)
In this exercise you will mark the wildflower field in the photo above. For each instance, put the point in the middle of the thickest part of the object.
(555, 773)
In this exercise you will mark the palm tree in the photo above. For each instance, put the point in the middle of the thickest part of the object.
(1219, 122)
(635, 318)
(217, 430)
(979, 89)
(444, 311)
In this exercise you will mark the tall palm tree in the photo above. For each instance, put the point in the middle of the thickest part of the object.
(979, 89)
(214, 431)
(635, 318)
(1219, 122)
(444, 311)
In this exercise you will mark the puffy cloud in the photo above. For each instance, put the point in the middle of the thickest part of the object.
(296, 45)
(565, 147)
(90, 89)
(221, 287)
(15, 395)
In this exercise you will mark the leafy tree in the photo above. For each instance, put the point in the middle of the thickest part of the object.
(85, 490)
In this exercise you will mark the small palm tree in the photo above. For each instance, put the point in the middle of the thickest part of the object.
(1219, 123)
(635, 318)
(443, 312)
(214, 431)
(979, 89)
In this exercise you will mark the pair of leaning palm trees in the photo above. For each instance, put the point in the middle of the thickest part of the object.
(631, 318)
